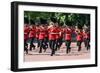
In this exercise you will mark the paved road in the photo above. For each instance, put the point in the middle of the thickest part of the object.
(60, 54)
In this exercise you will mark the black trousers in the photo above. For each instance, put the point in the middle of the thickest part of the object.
(46, 42)
(68, 49)
(60, 41)
(52, 44)
(79, 45)
(25, 46)
(56, 44)
(87, 43)
(42, 45)
(31, 44)
(38, 42)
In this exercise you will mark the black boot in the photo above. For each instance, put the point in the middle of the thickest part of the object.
(53, 52)
(79, 49)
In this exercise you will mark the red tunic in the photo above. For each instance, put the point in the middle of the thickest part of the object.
(26, 32)
(86, 35)
(32, 32)
(52, 31)
(61, 33)
(42, 33)
(46, 32)
(57, 31)
(37, 32)
(79, 36)
(68, 33)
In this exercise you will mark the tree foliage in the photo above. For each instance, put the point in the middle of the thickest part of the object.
(63, 18)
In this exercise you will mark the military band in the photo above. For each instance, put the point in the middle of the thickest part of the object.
(51, 36)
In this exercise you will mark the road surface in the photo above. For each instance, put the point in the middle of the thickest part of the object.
(59, 55)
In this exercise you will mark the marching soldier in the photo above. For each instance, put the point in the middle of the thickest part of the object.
(61, 35)
(26, 32)
(42, 35)
(52, 36)
(86, 38)
(32, 34)
(46, 37)
(68, 33)
(57, 34)
(79, 37)
(37, 35)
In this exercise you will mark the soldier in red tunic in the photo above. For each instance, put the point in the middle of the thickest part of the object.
(52, 30)
(42, 35)
(86, 38)
(32, 34)
(57, 34)
(61, 35)
(68, 33)
(37, 35)
(46, 37)
(52, 39)
(50, 35)
(26, 32)
(79, 37)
